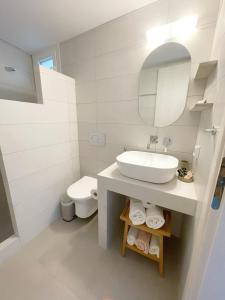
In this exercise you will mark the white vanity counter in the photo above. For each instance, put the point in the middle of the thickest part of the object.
(175, 195)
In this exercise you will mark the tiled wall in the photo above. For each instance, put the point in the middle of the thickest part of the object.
(39, 144)
(209, 151)
(106, 63)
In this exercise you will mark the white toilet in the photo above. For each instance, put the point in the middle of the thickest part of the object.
(80, 192)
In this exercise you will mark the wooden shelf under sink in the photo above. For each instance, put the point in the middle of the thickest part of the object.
(161, 232)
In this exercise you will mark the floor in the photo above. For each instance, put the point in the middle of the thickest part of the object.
(65, 262)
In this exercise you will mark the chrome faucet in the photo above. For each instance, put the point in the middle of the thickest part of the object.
(153, 140)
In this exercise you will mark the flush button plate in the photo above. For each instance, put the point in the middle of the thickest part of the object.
(97, 138)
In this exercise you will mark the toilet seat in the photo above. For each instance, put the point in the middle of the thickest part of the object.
(81, 190)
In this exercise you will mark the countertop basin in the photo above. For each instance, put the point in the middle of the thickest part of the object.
(147, 166)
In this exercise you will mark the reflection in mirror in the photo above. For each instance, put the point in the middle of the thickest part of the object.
(163, 84)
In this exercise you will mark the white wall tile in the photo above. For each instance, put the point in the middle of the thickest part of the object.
(118, 88)
(53, 87)
(109, 152)
(40, 152)
(142, 21)
(183, 137)
(28, 209)
(20, 164)
(86, 112)
(72, 112)
(81, 47)
(132, 135)
(86, 92)
(73, 131)
(115, 35)
(39, 181)
(84, 129)
(13, 112)
(188, 119)
(89, 167)
(202, 39)
(87, 150)
(121, 62)
(34, 226)
(27, 136)
(124, 32)
(125, 112)
(70, 90)
(83, 70)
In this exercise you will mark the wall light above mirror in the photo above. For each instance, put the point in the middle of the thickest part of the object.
(163, 84)
(180, 30)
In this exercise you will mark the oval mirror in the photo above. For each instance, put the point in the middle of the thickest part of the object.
(163, 84)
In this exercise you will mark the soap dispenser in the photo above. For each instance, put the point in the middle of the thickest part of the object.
(167, 141)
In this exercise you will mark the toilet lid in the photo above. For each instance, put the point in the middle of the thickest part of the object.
(81, 189)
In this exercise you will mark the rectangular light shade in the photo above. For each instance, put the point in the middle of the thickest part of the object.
(181, 29)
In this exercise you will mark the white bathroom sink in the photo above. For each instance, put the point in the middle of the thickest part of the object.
(146, 166)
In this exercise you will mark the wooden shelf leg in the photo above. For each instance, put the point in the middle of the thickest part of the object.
(123, 250)
(161, 270)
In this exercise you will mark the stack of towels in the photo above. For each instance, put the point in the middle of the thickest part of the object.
(153, 216)
(144, 241)
(150, 214)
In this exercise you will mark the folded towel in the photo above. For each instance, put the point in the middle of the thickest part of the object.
(154, 246)
(132, 235)
(137, 213)
(94, 194)
(154, 217)
(143, 241)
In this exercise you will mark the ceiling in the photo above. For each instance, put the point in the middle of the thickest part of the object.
(36, 24)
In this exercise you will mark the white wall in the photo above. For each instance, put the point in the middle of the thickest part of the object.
(18, 85)
(106, 63)
(39, 143)
(212, 286)
(208, 163)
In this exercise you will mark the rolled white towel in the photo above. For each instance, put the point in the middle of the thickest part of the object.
(132, 235)
(154, 246)
(94, 194)
(154, 217)
(137, 212)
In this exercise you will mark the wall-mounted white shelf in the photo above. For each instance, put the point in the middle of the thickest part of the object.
(205, 69)
(200, 106)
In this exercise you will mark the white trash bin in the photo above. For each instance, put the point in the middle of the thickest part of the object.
(67, 209)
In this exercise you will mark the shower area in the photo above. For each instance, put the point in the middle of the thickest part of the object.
(6, 227)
